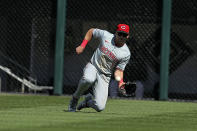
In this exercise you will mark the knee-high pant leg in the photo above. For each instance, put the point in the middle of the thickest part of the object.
(100, 91)
(88, 79)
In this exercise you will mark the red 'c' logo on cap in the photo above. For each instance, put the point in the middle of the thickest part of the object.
(123, 27)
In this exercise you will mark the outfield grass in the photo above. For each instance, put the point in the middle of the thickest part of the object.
(46, 113)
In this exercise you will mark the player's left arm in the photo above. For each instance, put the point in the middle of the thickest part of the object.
(119, 72)
(121, 86)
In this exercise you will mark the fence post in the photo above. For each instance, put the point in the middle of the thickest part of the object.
(59, 51)
(165, 49)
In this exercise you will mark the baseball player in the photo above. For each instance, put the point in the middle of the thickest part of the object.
(110, 58)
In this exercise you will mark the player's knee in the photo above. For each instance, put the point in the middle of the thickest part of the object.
(99, 110)
(100, 107)
(97, 106)
(89, 80)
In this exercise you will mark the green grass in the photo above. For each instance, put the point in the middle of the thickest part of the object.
(46, 113)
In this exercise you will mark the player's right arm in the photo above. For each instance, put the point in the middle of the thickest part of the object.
(87, 38)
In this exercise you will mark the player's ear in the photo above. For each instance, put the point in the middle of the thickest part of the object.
(128, 36)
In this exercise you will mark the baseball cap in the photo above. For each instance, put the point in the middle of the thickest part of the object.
(123, 28)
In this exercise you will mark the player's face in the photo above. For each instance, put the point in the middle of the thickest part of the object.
(121, 37)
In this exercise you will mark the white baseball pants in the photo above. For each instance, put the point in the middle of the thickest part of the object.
(91, 77)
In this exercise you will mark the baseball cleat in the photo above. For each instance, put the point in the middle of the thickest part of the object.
(73, 104)
(83, 104)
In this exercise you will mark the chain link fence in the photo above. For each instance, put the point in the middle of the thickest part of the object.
(28, 40)
(183, 58)
(27, 37)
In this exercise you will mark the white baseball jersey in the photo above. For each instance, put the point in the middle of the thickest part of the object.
(107, 56)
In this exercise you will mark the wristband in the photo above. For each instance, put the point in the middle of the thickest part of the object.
(84, 43)
(120, 82)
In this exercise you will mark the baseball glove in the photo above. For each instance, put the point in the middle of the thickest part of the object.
(127, 90)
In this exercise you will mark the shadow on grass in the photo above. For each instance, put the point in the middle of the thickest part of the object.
(80, 111)
(92, 112)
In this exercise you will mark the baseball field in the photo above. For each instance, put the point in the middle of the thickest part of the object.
(47, 113)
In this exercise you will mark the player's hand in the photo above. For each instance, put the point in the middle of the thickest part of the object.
(121, 84)
(122, 90)
(79, 49)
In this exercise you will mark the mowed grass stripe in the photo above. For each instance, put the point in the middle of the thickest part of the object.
(153, 122)
(46, 113)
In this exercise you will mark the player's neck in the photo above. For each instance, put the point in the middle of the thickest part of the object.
(119, 44)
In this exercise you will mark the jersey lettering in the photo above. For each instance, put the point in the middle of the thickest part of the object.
(107, 52)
